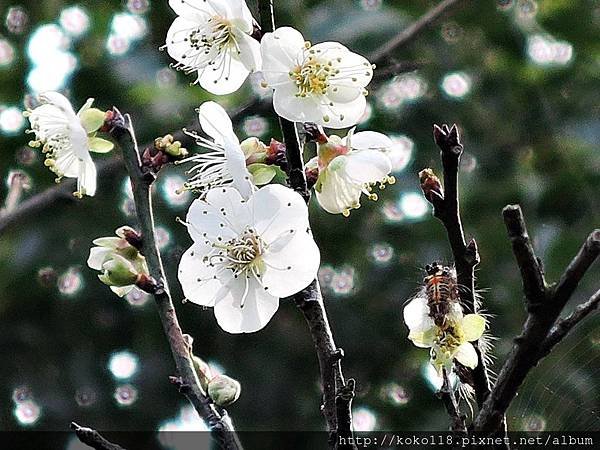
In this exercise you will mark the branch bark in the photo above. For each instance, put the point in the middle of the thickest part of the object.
(564, 326)
(141, 182)
(91, 437)
(446, 393)
(544, 305)
(442, 10)
(446, 207)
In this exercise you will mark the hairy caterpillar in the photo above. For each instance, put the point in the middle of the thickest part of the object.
(441, 290)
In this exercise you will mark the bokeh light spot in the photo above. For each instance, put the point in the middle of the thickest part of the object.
(123, 365)
(74, 20)
(456, 84)
(125, 395)
(27, 413)
(11, 120)
(364, 419)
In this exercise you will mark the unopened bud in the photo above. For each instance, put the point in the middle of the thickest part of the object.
(132, 237)
(224, 390)
(176, 150)
(118, 271)
(203, 371)
(431, 185)
(314, 133)
(254, 150)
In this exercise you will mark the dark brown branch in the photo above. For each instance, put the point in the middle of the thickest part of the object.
(446, 207)
(446, 394)
(141, 182)
(442, 10)
(541, 330)
(576, 269)
(564, 326)
(91, 437)
(532, 274)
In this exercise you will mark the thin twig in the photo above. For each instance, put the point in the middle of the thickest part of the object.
(532, 273)
(446, 207)
(541, 330)
(564, 326)
(91, 437)
(448, 397)
(141, 182)
(407, 35)
(61, 193)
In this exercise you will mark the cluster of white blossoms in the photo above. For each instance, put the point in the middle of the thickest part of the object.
(323, 83)
(67, 138)
(449, 341)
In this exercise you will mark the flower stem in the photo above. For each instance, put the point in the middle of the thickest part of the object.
(217, 419)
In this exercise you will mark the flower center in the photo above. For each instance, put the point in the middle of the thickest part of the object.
(311, 78)
(217, 33)
(242, 255)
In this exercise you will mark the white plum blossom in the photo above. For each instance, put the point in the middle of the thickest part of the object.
(247, 254)
(348, 167)
(323, 83)
(225, 163)
(449, 342)
(212, 38)
(67, 138)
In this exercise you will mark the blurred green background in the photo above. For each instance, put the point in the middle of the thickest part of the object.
(521, 80)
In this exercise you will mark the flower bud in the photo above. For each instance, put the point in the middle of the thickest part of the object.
(431, 185)
(203, 371)
(118, 271)
(254, 150)
(224, 390)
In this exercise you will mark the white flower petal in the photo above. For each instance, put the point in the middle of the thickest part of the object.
(198, 278)
(473, 326)
(278, 210)
(87, 179)
(293, 267)
(367, 166)
(215, 121)
(225, 76)
(342, 93)
(249, 49)
(236, 166)
(231, 206)
(122, 291)
(207, 224)
(344, 115)
(416, 315)
(180, 47)
(466, 355)
(98, 256)
(281, 51)
(199, 10)
(336, 195)
(295, 108)
(365, 140)
(423, 339)
(259, 307)
(59, 100)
